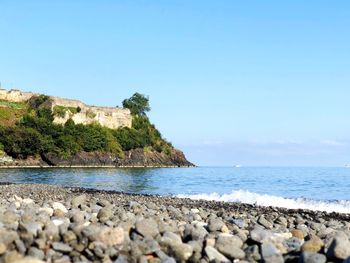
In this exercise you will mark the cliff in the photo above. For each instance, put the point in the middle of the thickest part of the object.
(79, 112)
(46, 131)
(133, 158)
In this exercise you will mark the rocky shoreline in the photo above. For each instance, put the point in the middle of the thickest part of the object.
(132, 158)
(41, 223)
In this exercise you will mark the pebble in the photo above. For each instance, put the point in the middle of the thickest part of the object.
(47, 210)
(214, 255)
(253, 253)
(61, 247)
(59, 206)
(282, 221)
(230, 246)
(2, 248)
(111, 236)
(182, 252)
(82, 226)
(215, 224)
(298, 234)
(147, 227)
(270, 253)
(340, 247)
(36, 253)
(28, 260)
(315, 244)
(262, 221)
(78, 201)
(307, 257)
(104, 214)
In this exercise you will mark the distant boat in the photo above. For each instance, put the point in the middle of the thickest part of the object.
(238, 166)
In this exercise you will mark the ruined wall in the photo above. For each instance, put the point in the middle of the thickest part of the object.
(15, 95)
(106, 116)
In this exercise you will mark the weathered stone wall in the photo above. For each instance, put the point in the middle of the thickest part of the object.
(106, 116)
(15, 95)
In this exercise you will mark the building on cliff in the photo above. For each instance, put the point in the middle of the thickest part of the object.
(79, 112)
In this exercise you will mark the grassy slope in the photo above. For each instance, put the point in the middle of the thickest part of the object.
(11, 112)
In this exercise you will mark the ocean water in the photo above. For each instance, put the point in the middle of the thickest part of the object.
(325, 189)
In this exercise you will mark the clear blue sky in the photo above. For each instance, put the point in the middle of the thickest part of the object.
(230, 82)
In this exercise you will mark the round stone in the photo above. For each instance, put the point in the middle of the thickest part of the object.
(313, 245)
(147, 227)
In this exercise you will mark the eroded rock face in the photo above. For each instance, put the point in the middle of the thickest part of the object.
(133, 158)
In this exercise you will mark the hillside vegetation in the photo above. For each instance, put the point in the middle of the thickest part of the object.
(11, 112)
(27, 129)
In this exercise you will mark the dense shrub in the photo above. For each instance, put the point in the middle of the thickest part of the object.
(61, 111)
(129, 138)
(36, 133)
(142, 134)
(20, 142)
(36, 101)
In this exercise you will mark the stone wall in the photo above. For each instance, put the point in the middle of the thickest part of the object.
(15, 95)
(106, 116)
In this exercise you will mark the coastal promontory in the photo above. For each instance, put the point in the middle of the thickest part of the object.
(37, 130)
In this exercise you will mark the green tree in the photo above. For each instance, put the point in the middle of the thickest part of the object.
(138, 104)
(20, 142)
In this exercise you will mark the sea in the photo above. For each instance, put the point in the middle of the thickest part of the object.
(315, 188)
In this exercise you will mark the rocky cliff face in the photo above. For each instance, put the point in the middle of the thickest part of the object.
(80, 113)
(133, 158)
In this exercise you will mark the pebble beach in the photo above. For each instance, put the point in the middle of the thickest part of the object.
(42, 223)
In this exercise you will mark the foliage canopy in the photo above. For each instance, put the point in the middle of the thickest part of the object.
(138, 104)
(36, 134)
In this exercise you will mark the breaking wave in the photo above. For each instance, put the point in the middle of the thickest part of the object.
(242, 196)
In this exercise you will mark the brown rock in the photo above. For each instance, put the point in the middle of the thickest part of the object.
(313, 245)
(2, 248)
(58, 213)
(298, 234)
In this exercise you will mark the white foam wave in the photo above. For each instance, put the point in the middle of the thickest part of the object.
(242, 196)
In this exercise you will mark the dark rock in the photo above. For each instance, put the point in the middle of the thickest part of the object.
(61, 247)
(252, 253)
